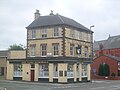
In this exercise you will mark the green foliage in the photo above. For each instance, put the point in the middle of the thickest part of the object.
(16, 47)
(104, 70)
(113, 74)
(100, 72)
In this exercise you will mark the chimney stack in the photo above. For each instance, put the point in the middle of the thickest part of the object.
(51, 13)
(37, 14)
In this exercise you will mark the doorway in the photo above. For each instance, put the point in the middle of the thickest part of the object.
(32, 76)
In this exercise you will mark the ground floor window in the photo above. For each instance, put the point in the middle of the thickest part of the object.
(43, 70)
(1, 71)
(55, 70)
(17, 70)
(84, 70)
(70, 70)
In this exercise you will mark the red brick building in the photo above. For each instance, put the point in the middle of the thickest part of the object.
(107, 52)
(113, 62)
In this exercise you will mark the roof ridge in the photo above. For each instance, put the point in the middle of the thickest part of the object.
(60, 18)
(113, 57)
(56, 20)
(114, 36)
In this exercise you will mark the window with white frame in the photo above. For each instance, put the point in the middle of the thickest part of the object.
(86, 51)
(55, 32)
(43, 49)
(55, 49)
(43, 70)
(72, 33)
(44, 32)
(70, 70)
(84, 70)
(33, 34)
(86, 36)
(32, 50)
(17, 70)
(79, 35)
(60, 73)
(72, 49)
(55, 70)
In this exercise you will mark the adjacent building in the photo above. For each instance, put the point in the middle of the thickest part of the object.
(3, 62)
(107, 52)
(59, 49)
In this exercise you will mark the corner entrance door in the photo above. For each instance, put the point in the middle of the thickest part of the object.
(32, 76)
(2, 70)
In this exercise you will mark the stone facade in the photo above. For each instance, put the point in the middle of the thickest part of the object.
(52, 52)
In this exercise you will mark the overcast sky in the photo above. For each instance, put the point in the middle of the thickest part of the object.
(15, 15)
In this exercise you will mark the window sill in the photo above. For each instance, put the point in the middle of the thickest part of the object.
(43, 56)
(55, 55)
(17, 76)
(32, 56)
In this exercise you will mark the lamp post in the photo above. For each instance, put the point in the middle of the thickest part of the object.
(91, 48)
(92, 26)
(92, 41)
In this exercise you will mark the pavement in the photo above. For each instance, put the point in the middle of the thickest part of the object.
(94, 85)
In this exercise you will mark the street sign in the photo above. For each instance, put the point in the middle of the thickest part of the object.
(78, 49)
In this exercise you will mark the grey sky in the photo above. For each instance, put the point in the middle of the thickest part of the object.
(17, 14)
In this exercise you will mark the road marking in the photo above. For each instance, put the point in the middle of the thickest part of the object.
(2, 88)
(66, 86)
(113, 87)
(97, 88)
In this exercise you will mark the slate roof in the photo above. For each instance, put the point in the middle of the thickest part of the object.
(110, 43)
(3, 53)
(57, 19)
(96, 44)
(113, 57)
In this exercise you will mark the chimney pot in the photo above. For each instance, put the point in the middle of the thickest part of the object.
(37, 14)
(51, 13)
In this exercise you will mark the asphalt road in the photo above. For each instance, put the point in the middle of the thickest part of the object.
(95, 85)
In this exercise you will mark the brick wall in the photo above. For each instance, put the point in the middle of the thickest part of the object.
(113, 64)
(113, 52)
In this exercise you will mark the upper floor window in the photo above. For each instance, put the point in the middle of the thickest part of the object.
(55, 32)
(72, 33)
(44, 33)
(56, 49)
(72, 49)
(43, 49)
(79, 35)
(78, 50)
(86, 51)
(86, 36)
(32, 51)
(33, 33)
